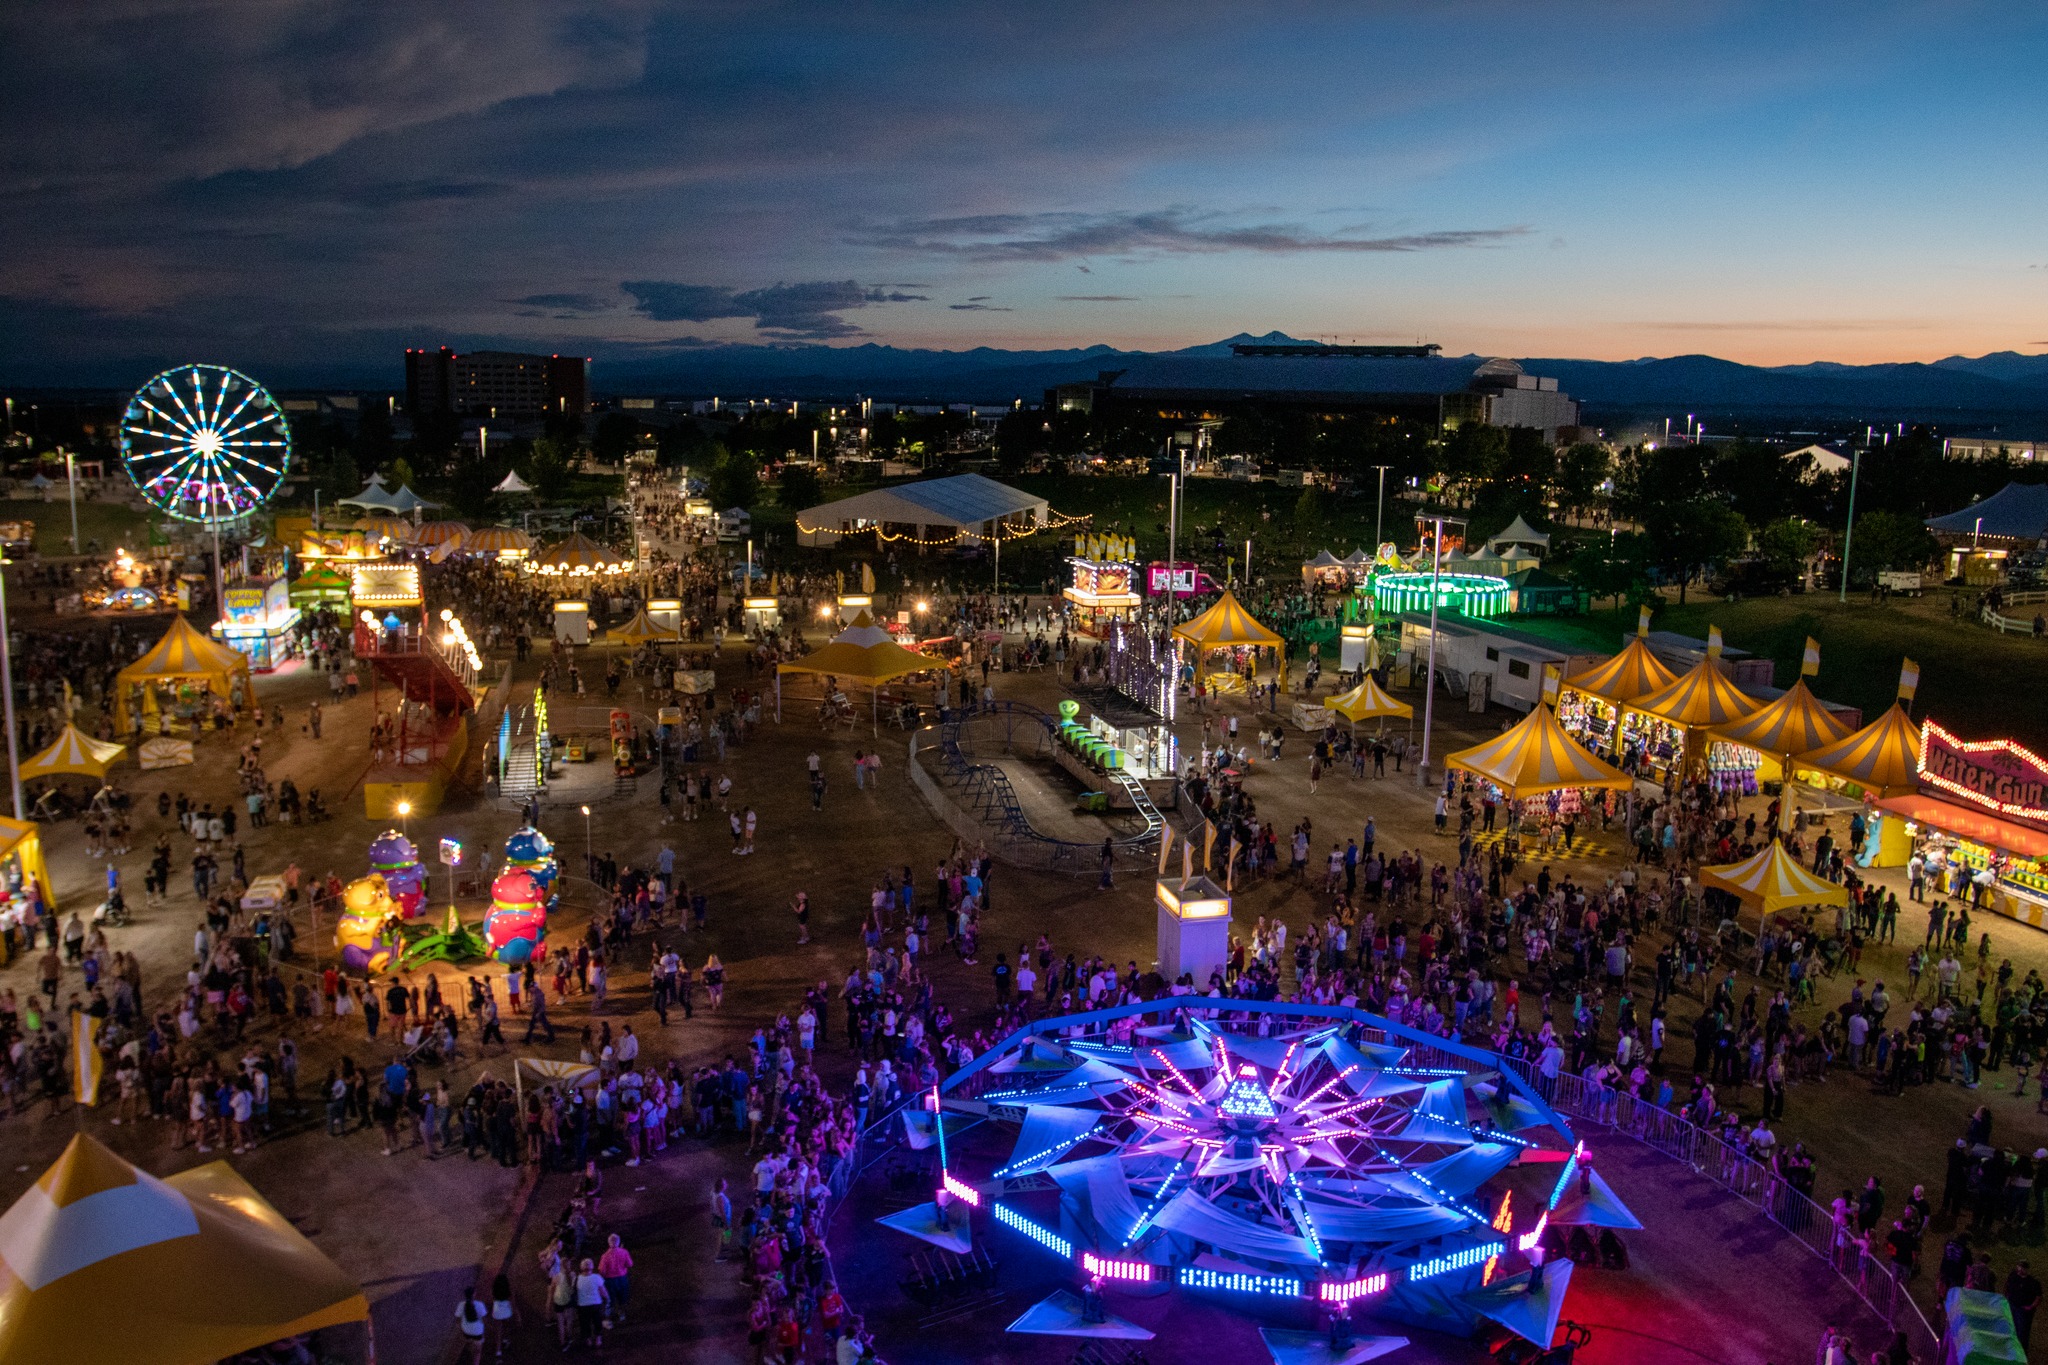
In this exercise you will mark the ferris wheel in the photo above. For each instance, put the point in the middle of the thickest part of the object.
(205, 443)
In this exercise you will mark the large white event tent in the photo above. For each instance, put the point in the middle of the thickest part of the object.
(939, 512)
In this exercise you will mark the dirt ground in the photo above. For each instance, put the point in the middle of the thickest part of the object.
(418, 1231)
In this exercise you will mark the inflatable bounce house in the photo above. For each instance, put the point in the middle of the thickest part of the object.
(368, 932)
(518, 920)
(394, 858)
(528, 851)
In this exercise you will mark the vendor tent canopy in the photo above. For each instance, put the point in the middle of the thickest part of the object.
(405, 500)
(20, 839)
(374, 498)
(962, 508)
(1633, 673)
(512, 483)
(639, 630)
(1793, 724)
(321, 583)
(182, 655)
(1225, 624)
(497, 540)
(1883, 757)
(1773, 880)
(856, 655)
(73, 752)
(1324, 560)
(1537, 756)
(105, 1263)
(391, 528)
(1702, 697)
(1368, 701)
(2018, 511)
(1519, 535)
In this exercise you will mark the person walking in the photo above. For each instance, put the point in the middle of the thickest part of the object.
(591, 1300)
(802, 909)
(470, 1317)
(537, 1017)
(616, 1265)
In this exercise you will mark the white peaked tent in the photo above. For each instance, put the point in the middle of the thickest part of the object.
(374, 497)
(1519, 535)
(512, 483)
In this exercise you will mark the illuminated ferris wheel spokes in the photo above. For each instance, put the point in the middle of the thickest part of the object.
(205, 443)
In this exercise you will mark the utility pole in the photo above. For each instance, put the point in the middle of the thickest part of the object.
(7, 696)
(71, 480)
(1436, 568)
(1380, 517)
(1849, 534)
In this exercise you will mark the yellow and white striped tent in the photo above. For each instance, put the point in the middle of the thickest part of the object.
(1633, 673)
(639, 630)
(391, 528)
(1883, 757)
(497, 540)
(1537, 756)
(578, 555)
(1224, 625)
(439, 533)
(1773, 880)
(201, 1266)
(22, 841)
(182, 655)
(73, 751)
(1368, 701)
(1702, 698)
(1793, 724)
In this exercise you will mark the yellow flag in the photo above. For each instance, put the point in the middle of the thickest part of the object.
(1552, 679)
(1187, 861)
(1165, 845)
(1810, 665)
(85, 1058)
(1714, 642)
(1080, 547)
(1909, 680)
(839, 580)
(867, 577)
(1208, 844)
(1230, 868)
(1643, 620)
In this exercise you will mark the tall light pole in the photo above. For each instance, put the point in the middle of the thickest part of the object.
(1849, 535)
(7, 694)
(1436, 568)
(1380, 516)
(71, 480)
(589, 853)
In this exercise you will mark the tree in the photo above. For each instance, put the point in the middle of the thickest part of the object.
(1308, 516)
(1688, 536)
(616, 435)
(799, 487)
(1580, 472)
(1787, 543)
(549, 468)
(1889, 540)
(735, 482)
(1615, 569)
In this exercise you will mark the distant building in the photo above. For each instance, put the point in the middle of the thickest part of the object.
(1405, 381)
(500, 383)
(1991, 447)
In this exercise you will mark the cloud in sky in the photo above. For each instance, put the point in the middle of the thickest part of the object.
(1013, 237)
(808, 311)
(1095, 298)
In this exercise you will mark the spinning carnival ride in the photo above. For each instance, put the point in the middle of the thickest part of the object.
(1295, 1152)
(205, 444)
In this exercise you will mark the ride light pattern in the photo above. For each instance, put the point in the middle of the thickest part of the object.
(1197, 1277)
(1564, 1179)
(962, 1191)
(1043, 1236)
(1533, 1238)
(1110, 1269)
(1456, 1260)
(1344, 1291)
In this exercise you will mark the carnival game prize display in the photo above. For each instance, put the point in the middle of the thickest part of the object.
(518, 920)
(528, 850)
(394, 857)
(368, 932)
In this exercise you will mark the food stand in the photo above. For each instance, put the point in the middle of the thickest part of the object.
(1980, 819)
(259, 620)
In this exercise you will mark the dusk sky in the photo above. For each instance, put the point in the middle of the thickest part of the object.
(296, 182)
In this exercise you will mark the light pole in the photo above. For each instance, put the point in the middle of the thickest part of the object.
(589, 853)
(1849, 535)
(404, 809)
(7, 693)
(1436, 567)
(1379, 517)
(71, 481)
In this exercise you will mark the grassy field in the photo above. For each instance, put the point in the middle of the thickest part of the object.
(1979, 683)
(111, 524)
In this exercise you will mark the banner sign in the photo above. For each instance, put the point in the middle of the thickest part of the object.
(1996, 774)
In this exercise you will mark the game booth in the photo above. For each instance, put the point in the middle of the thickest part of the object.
(1539, 770)
(1591, 703)
(259, 620)
(322, 585)
(863, 654)
(1979, 817)
(1309, 1178)
(24, 884)
(1877, 762)
(1775, 734)
(1105, 576)
(178, 682)
(1227, 627)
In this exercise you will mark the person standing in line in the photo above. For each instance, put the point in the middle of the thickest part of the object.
(616, 1265)
(751, 821)
(801, 907)
(591, 1298)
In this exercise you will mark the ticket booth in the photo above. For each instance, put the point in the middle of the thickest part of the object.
(1194, 928)
(572, 622)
